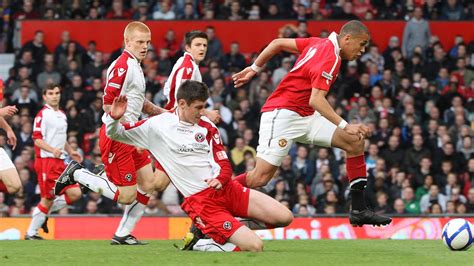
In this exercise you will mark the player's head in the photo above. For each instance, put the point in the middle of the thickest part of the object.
(137, 38)
(353, 39)
(52, 95)
(196, 44)
(192, 96)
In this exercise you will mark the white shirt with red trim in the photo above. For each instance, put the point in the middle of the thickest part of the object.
(125, 77)
(189, 153)
(51, 126)
(184, 69)
(317, 67)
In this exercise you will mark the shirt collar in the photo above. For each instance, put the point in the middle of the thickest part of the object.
(333, 38)
(130, 54)
(186, 53)
(181, 121)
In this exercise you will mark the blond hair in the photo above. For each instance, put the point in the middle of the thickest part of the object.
(135, 26)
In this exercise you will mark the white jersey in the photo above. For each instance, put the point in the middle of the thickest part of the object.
(189, 153)
(51, 126)
(184, 69)
(125, 77)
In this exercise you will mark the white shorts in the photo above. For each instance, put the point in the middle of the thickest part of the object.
(5, 161)
(281, 127)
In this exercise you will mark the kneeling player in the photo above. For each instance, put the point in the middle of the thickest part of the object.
(189, 148)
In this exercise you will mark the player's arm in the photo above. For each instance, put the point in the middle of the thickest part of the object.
(10, 134)
(150, 108)
(275, 47)
(220, 157)
(8, 111)
(319, 103)
(74, 154)
(213, 115)
(135, 134)
(40, 143)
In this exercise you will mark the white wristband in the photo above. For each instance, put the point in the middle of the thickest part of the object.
(342, 124)
(256, 68)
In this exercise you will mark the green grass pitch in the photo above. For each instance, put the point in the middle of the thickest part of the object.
(286, 252)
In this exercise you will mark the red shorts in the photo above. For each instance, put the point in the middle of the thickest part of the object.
(49, 170)
(214, 212)
(121, 160)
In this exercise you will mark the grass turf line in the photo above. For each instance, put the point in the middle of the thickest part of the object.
(289, 252)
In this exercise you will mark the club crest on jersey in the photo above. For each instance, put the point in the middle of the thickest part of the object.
(199, 137)
(128, 177)
(326, 75)
(227, 225)
(282, 143)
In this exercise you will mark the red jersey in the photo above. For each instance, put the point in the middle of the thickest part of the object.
(317, 67)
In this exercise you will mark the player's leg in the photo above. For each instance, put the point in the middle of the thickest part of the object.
(322, 132)
(133, 212)
(266, 210)
(9, 178)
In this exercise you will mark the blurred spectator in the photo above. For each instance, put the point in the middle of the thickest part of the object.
(234, 60)
(452, 10)
(432, 198)
(214, 45)
(118, 11)
(416, 33)
(164, 12)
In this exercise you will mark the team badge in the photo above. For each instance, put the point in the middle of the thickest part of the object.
(227, 225)
(199, 137)
(128, 177)
(282, 143)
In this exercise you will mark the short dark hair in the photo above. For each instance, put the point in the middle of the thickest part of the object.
(191, 91)
(353, 27)
(190, 36)
(50, 87)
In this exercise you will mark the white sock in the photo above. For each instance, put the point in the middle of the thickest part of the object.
(211, 245)
(38, 218)
(96, 183)
(131, 216)
(58, 203)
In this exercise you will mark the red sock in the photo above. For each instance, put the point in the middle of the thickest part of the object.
(3, 188)
(236, 249)
(143, 199)
(116, 196)
(242, 179)
(43, 209)
(356, 167)
(67, 199)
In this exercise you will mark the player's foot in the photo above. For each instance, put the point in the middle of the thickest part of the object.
(197, 232)
(126, 240)
(66, 178)
(359, 218)
(44, 226)
(189, 241)
(35, 237)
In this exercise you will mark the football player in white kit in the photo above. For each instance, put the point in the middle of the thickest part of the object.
(189, 147)
(9, 180)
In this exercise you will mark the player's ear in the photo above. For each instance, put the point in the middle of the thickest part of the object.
(181, 103)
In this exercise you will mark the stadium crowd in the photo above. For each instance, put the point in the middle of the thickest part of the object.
(417, 97)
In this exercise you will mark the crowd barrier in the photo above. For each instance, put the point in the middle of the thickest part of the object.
(252, 35)
(102, 228)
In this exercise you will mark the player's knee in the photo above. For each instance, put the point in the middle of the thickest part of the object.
(257, 181)
(355, 148)
(256, 246)
(127, 199)
(74, 194)
(287, 218)
(14, 187)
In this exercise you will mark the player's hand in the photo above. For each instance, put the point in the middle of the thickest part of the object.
(118, 108)
(358, 129)
(8, 110)
(11, 138)
(76, 156)
(214, 183)
(243, 77)
(57, 153)
(214, 116)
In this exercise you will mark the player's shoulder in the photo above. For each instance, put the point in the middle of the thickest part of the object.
(187, 60)
(207, 123)
(122, 62)
(41, 111)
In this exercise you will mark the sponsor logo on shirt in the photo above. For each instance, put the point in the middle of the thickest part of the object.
(184, 130)
(199, 137)
(183, 148)
(121, 71)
